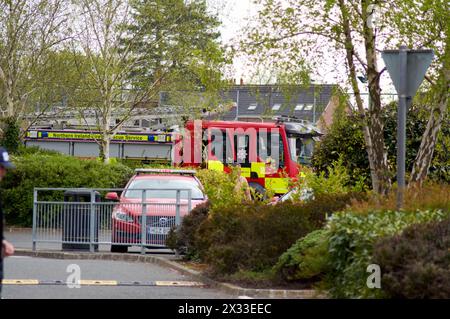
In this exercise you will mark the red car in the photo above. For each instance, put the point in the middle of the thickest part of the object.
(161, 187)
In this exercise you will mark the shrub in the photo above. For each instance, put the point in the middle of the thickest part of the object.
(252, 237)
(184, 238)
(416, 264)
(352, 237)
(336, 180)
(431, 196)
(345, 139)
(11, 134)
(43, 169)
(220, 187)
(306, 260)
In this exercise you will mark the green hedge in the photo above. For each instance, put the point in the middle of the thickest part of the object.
(416, 264)
(307, 260)
(253, 236)
(184, 239)
(351, 242)
(37, 168)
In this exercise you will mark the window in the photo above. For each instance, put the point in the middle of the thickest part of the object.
(252, 106)
(308, 107)
(162, 188)
(266, 148)
(299, 107)
(220, 146)
(276, 107)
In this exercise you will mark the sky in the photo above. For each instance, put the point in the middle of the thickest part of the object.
(234, 15)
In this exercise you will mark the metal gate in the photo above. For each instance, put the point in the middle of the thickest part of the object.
(84, 218)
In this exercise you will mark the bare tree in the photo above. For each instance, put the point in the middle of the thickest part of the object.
(99, 37)
(28, 31)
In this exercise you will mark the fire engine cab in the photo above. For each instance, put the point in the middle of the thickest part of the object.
(267, 153)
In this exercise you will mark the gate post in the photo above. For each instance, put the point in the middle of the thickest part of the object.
(177, 214)
(34, 219)
(91, 223)
(143, 222)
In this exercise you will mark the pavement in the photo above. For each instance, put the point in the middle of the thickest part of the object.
(157, 274)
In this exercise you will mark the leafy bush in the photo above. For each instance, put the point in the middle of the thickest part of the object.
(336, 180)
(11, 134)
(220, 187)
(44, 169)
(184, 238)
(306, 260)
(351, 241)
(252, 237)
(431, 196)
(416, 264)
(345, 139)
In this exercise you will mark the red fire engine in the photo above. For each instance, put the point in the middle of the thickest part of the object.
(266, 152)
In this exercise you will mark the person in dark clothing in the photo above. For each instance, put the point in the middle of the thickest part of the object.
(7, 247)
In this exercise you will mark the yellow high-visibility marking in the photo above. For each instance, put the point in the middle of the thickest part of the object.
(278, 185)
(245, 172)
(215, 166)
(98, 282)
(20, 282)
(259, 168)
(179, 283)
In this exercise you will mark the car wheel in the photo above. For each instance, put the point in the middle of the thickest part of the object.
(260, 192)
(119, 249)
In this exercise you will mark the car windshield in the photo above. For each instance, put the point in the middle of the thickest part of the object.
(162, 188)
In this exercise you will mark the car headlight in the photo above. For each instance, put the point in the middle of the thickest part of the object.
(122, 216)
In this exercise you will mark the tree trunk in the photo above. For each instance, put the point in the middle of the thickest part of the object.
(438, 113)
(425, 153)
(372, 124)
(104, 149)
(376, 125)
(106, 135)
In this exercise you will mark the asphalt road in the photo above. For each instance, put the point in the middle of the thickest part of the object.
(54, 269)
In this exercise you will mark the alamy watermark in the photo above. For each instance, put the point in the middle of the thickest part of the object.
(230, 145)
(73, 280)
(374, 279)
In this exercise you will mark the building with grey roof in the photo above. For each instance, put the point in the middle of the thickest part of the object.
(253, 102)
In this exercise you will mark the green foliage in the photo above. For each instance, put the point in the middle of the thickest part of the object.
(307, 259)
(11, 135)
(336, 180)
(416, 264)
(431, 196)
(184, 239)
(345, 141)
(351, 241)
(251, 237)
(177, 41)
(43, 169)
(220, 187)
